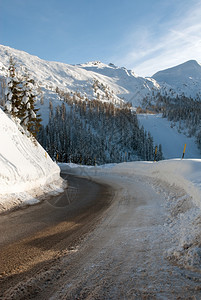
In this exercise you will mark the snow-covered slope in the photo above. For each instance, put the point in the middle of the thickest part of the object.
(26, 170)
(135, 88)
(119, 82)
(168, 136)
(184, 78)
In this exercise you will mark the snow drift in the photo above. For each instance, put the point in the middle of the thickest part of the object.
(26, 170)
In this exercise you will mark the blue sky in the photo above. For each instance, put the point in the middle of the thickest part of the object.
(143, 35)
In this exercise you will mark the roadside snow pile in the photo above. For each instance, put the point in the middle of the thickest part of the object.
(26, 170)
(184, 174)
(179, 184)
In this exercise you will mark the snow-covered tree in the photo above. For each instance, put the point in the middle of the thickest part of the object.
(13, 92)
(2, 94)
(20, 99)
(30, 119)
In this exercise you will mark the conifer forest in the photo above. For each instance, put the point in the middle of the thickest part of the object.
(90, 132)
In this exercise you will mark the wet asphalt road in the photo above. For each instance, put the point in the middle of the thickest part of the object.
(33, 238)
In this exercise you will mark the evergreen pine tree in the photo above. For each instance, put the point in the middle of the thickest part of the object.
(13, 92)
(20, 100)
(30, 118)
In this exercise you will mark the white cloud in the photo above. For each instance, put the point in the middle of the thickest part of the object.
(181, 42)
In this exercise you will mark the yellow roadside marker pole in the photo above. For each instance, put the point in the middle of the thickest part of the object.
(184, 151)
(155, 153)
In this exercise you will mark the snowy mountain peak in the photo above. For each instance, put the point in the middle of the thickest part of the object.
(192, 63)
(97, 64)
(188, 69)
(183, 79)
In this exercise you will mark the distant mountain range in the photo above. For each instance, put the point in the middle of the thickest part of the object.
(96, 80)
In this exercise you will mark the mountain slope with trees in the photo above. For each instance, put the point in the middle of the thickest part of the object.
(56, 83)
(94, 132)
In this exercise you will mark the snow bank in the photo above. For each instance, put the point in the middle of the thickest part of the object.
(179, 184)
(26, 170)
(185, 174)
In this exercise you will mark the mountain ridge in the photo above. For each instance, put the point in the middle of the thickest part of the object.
(120, 83)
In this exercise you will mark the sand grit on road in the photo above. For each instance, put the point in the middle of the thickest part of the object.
(34, 239)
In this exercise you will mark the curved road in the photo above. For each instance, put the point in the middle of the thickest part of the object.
(89, 245)
(34, 238)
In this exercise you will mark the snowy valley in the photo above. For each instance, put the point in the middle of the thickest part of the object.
(97, 81)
